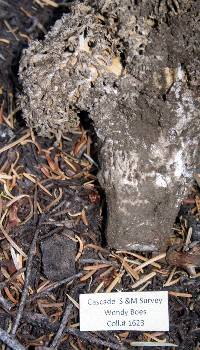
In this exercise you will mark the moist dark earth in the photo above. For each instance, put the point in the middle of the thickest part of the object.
(58, 219)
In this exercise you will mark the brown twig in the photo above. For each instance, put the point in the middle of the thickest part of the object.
(10, 341)
(7, 305)
(15, 143)
(54, 286)
(57, 339)
(11, 30)
(37, 319)
(26, 283)
(4, 283)
(96, 261)
(93, 340)
(28, 269)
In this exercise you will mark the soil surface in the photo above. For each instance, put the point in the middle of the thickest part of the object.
(49, 194)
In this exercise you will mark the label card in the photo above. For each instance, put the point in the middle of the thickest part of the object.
(139, 311)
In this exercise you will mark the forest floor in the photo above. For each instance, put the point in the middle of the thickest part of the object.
(52, 218)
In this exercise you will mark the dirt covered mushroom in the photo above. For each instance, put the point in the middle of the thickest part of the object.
(80, 59)
(129, 66)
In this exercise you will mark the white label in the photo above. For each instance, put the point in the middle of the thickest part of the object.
(139, 311)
